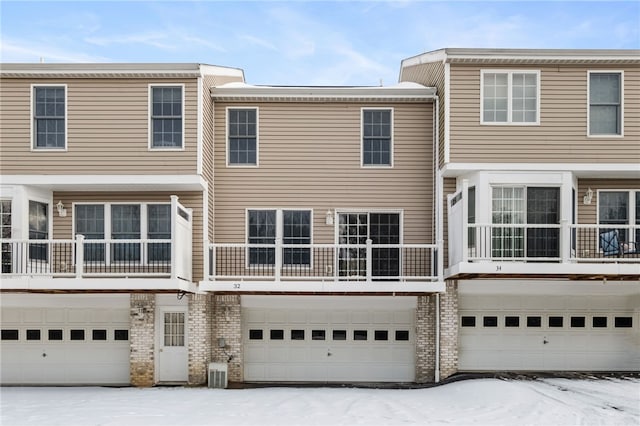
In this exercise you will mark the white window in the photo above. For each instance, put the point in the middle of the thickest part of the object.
(605, 104)
(510, 97)
(5, 233)
(295, 228)
(49, 117)
(377, 137)
(619, 208)
(242, 136)
(166, 117)
(38, 229)
(124, 222)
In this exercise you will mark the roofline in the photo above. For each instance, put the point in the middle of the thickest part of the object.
(452, 55)
(292, 93)
(89, 70)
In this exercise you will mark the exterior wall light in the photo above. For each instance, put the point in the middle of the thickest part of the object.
(62, 212)
(587, 196)
(329, 217)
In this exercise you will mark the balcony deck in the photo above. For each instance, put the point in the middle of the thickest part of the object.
(323, 268)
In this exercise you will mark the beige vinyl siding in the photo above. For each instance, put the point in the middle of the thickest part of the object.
(63, 226)
(588, 214)
(107, 129)
(309, 155)
(431, 75)
(561, 136)
(208, 124)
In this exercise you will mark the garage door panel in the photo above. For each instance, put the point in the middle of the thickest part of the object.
(573, 333)
(277, 317)
(55, 315)
(319, 354)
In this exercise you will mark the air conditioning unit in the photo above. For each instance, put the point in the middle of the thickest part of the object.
(218, 372)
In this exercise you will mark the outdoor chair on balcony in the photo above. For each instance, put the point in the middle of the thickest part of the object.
(611, 245)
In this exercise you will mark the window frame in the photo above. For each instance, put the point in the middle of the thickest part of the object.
(510, 73)
(226, 136)
(279, 228)
(632, 219)
(34, 138)
(621, 134)
(150, 117)
(391, 138)
(107, 230)
(44, 245)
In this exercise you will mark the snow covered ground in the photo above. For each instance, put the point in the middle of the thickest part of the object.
(478, 402)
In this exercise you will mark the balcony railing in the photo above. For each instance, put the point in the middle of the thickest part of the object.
(323, 262)
(551, 243)
(93, 258)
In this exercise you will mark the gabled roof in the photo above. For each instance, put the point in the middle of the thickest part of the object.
(526, 56)
(117, 70)
(402, 92)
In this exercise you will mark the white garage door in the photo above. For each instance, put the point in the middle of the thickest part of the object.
(321, 345)
(60, 345)
(548, 333)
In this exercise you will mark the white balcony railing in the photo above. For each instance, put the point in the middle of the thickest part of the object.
(93, 258)
(323, 262)
(564, 243)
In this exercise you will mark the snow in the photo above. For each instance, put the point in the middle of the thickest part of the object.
(553, 401)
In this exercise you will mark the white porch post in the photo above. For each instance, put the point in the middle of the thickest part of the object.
(277, 268)
(79, 255)
(565, 241)
(174, 232)
(369, 259)
(465, 220)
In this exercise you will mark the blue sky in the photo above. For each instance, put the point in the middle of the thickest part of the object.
(303, 42)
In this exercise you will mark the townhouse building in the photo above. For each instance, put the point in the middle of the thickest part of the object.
(105, 200)
(481, 215)
(540, 165)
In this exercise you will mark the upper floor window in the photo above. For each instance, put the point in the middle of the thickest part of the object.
(377, 143)
(242, 134)
(49, 117)
(510, 97)
(605, 103)
(166, 117)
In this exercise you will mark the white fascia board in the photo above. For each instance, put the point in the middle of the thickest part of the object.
(67, 300)
(519, 268)
(314, 287)
(548, 287)
(350, 303)
(584, 170)
(221, 71)
(108, 182)
(96, 284)
(400, 91)
(425, 58)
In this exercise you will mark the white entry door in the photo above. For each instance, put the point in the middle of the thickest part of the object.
(173, 354)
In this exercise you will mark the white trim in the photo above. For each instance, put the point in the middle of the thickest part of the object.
(509, 73)
(392, 118)
(108, 182)
(341, 287)
(97, 284)
(205, 232)
(621, 72)
(631, 209)
(32, 120)
(382, 303)
(447, 113)
(199, 125)
(509, 268)
(150, 146)
(337, 211)
(550, 287)
(603, 170)
(226, 136)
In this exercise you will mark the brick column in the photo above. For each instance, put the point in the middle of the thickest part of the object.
(142, 339)
(200, 320)
(227, 323)
(449, 330)
(425, 339)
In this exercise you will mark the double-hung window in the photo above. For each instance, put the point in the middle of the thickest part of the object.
(605, 103)
(377, 141)
(293, 225)
(166, 116)
(510, 97)
(38, 229)
(49, 117)
(242, 136)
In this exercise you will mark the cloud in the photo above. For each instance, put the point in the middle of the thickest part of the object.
(14, 51)
(257, 41)
(155, 39)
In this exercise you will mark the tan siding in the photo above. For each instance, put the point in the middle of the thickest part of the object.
(449, 187)
(561, 136)
(431, 75)
(310, 158)
(107, 129)
(63, 226)
(210, 81)
(588, 214)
